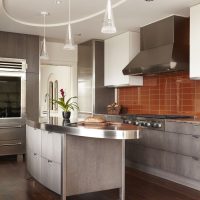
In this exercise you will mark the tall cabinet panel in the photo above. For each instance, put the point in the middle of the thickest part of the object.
(194, 42)
(119, 51)
(93, 97)
(14, 45)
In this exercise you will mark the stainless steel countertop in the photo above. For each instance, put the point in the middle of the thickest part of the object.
(119, 131)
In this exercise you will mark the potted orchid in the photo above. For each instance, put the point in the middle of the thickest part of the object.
(66, 105)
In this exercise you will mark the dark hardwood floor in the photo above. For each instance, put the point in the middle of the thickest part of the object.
(15, 185)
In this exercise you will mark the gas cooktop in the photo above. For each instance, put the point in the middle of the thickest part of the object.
(152, 121)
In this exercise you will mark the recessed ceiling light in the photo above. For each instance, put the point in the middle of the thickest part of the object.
(58, 1)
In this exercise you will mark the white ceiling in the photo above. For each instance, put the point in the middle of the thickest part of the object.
(129, 16)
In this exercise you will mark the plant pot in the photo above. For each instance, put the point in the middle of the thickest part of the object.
(66, 115)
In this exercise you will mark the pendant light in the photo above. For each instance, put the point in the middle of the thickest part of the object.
(43, 52)
(69, 43)
(108, 22)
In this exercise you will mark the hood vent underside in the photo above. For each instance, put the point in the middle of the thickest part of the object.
(164, 48)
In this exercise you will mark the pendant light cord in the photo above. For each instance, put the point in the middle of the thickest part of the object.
(69, 23)
(69, 10)
(44, 25)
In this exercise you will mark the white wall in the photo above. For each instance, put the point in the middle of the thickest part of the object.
(58, 61)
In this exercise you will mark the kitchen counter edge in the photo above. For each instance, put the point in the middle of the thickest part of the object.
(119, 134)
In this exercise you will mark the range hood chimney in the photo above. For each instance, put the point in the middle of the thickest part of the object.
(164, 48)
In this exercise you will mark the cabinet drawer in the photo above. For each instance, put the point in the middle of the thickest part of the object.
(188, 167)
(144, 155)
(189, 145)
(182, 127)
(51, 146)
(12, 133)
(34, 164)
(159, 140)
(152, 138)
(169, 162)
(33, 139)
(12, 147)
(51, 175)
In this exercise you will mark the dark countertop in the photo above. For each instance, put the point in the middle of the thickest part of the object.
(110, 131)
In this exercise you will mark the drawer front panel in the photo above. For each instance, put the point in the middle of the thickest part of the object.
(34, 164)
(152, 138)
(12, 147)
(51, 146)
(188, 167)
(33, 139)
(182, 127)
(51, 175)
(144, 155)
(12, 133)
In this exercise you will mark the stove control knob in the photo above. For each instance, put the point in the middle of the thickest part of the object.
(157, 125)
(148, 124)
(142, 123)
(126, 121)
(136, 123)
(154, 125)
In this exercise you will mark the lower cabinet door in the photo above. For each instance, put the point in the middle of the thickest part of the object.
(34, 164)
(51, 146)
(51, 175)
(188, 167)
(169, 162)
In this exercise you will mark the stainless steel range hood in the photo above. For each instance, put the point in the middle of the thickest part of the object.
(164, 48)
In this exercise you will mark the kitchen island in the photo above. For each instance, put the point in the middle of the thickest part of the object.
(72, 159)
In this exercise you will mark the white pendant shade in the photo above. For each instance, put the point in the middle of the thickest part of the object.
(43, 52)
(108, 23)
(69, 43)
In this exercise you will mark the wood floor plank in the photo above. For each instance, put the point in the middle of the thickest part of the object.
(14, 185)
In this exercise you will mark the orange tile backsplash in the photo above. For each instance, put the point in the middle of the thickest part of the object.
(172, 93)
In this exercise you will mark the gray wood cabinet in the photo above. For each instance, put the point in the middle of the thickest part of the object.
(33, 161)
(12, 140)
(32, 96)
(176, 150)
(44, 157)
(51, 146)
(51, 175)
(33, 152)
(33, 140)
(14, 45)
(182, 127)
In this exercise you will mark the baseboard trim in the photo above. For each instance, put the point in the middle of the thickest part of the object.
(166, 175)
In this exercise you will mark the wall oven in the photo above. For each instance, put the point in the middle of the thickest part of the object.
(12, 106)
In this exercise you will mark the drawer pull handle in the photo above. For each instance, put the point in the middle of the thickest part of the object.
(35, 154)
(195, 158)
(7, 127)
(12, 144)
(196, 136)
(49, 161)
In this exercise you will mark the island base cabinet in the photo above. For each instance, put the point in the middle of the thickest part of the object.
(33, 139)
(92, 165)
(51, 175)
(34, 164)
(51, 146)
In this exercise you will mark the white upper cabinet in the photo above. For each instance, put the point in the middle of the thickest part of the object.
(195, 42)
(119, 51)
